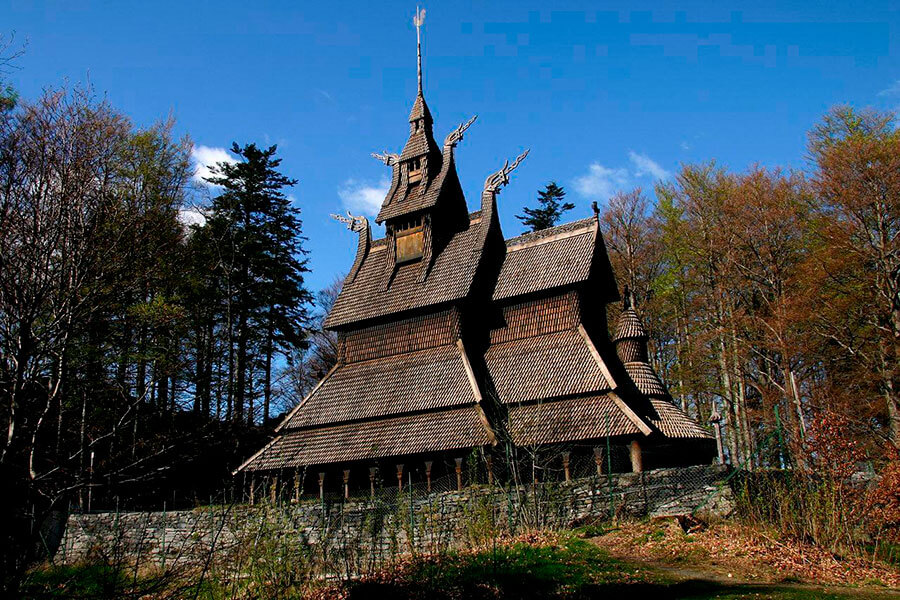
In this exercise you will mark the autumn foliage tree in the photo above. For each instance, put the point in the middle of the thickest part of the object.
(774, 296)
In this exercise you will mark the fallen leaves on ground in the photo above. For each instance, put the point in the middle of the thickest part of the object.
(742, 552)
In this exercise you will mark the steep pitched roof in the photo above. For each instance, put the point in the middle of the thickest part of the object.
(646, 379)
(423, 380)
(629, 326)
(420, 109)
(366, 298)
(547, 259)
(406, 434)
(541, 367)
(674, 423)
(426, 194)
(568, 420)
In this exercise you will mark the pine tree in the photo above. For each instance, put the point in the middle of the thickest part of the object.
(262, 262)
(551, 208)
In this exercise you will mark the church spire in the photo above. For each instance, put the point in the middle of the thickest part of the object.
(420, 110)
(418, 20)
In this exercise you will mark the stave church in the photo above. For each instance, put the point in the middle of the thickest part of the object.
(458, 344)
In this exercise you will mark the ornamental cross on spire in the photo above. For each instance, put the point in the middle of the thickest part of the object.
(418, 20)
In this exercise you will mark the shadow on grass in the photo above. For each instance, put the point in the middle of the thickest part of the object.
(531, 589)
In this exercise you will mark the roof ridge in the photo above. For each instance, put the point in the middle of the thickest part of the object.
(550, 232)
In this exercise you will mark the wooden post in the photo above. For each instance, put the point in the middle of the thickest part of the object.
(346, 483)
(565, 460)
(598, 459)
(372, 471)
(400, 478)
(273, 489)
(321, 486)
(637, 463)
(297, 484)
(428, 464)
(489, 461)
(252, 489)
(459, 473)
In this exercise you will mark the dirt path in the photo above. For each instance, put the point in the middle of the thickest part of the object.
(708, 577)
(715, 580)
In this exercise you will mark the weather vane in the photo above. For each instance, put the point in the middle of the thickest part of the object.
(418, 20)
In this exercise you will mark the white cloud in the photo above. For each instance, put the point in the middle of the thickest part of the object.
(685, 146)
(205, 156)
(323, 94)
(644, 165)
(601, 182)
(363, 197)
(893, 90)
(191, 216)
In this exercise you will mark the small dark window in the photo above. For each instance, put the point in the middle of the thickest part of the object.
(415, 170)
(410, 238)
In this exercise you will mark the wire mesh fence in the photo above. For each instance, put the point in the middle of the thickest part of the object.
(351, 522)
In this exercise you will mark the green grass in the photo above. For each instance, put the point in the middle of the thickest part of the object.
(88, 581)
(515, 571)
(574, 569)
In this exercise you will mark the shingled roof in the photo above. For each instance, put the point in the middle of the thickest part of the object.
(416, 381)
(646, 379)
(546, 259)
(568, 420)
(674, 423)
(366, 297)
(426, 194)
(435, 431)
(546, 366)
(629, 326)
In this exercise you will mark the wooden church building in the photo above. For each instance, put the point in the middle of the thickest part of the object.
(454, 342)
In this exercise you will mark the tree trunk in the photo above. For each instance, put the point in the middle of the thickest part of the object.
(267, 389)
(209, 350)
(199, 369)
(162, 386)
(241, 368)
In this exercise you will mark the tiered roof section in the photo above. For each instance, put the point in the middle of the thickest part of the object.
(630, 340)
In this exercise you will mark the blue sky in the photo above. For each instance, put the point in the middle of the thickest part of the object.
(607, 96)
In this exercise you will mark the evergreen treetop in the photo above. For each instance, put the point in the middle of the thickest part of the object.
(550, 210)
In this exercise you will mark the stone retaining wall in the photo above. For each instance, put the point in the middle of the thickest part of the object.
(372, 530)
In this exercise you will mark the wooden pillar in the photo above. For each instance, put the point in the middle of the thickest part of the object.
(428, 464)
(459, 473)
(598, 459)
(273, 490)
(252, 489)
(400, 478)
(489, 462)
(346, 483)
(321, 486)
(372, 471)
(637, 462)
(565, 461)
(297, 484)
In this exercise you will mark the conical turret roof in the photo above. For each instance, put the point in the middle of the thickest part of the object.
(420, 110)
(629, 326)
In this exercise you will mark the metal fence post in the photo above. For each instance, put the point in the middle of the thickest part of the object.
(609, 486)
(164, 537)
